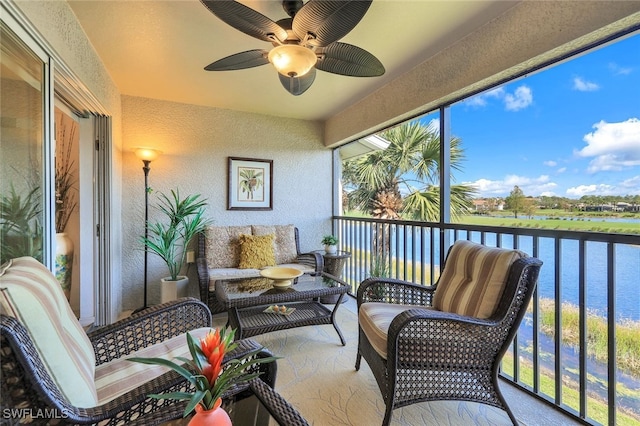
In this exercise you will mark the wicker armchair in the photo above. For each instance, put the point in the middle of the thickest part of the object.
(420, 349)
(312, 262)
(34, 383)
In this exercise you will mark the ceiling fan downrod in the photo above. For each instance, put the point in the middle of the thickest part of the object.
(291, 7)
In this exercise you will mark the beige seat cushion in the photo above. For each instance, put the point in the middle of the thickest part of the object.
(222, 247)
(31, 294)
(119, 376)
(473, 279)
(284, 243)
(375, 318)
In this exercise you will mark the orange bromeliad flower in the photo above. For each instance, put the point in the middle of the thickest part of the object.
(214, 346)
(219, 378)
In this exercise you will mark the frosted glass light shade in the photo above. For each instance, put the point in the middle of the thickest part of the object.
(292, 60)
(147, 154)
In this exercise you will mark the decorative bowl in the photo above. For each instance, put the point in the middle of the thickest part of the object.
(281, 276)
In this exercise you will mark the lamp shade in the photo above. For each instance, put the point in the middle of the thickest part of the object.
(292, 60)
(147, 154)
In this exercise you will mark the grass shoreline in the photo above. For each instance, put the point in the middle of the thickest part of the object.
(568, 223)
(627, 335)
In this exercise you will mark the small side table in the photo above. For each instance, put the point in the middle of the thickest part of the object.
(334, 265)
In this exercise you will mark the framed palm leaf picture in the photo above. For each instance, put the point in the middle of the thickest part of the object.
(250, 184)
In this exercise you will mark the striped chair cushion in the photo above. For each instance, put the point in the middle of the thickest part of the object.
(30, 293)
(375, 318)
(473, 279)
(119, 376)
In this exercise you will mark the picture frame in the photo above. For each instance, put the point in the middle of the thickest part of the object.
(250, 184)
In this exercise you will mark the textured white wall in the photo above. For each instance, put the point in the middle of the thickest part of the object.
(196, 142)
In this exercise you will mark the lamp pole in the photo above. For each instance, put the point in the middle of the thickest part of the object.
(147, 155)
(146, 169)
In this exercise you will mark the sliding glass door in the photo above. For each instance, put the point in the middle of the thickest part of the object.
(25, 168)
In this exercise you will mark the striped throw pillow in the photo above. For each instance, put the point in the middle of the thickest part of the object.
(30, 293)
(473, 279)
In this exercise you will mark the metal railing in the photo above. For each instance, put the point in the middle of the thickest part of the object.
(587, 272)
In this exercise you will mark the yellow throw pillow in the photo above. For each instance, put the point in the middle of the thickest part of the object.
(256, 251)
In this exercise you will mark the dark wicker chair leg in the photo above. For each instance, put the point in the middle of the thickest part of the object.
(387, 415)
(358, 359)
(512, 417)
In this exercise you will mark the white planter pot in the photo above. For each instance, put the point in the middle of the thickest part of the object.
(330, 249)
(172, 290)
(64, 262)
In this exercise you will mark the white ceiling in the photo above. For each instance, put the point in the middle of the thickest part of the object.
(158, 49)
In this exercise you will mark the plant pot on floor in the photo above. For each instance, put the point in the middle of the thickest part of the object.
(172, 290)
(64, 262)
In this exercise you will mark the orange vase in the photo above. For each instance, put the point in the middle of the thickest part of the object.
(214, 417)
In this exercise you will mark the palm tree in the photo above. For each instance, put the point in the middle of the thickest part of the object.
(401, 182)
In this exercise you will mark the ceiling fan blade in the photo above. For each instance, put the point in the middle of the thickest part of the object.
(347, 59)
(245, 19)
(240, 61)
(328, 21)
(298, 85)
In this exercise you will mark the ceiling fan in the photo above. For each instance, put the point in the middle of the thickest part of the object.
(304, 42)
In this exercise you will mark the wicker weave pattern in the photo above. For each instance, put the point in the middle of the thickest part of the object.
(25, 383)
(434, 355)
(152, 325)
(246, 314)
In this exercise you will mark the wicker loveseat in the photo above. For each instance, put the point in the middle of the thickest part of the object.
(53, 372)
(221, 252)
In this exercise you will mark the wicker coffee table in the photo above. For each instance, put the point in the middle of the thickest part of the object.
(247, 299)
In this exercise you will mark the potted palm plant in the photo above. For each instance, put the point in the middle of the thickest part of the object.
(170, 237)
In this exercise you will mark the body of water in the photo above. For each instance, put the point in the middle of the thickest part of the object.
(626, 269)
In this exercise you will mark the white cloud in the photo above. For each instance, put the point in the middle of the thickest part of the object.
(550, 163)
(481, 99)
(600, 189)
(629, 186)
(614, 146)
(521, 98)
(561, 170)
(584, 86)
(502, 188)
(619, 70)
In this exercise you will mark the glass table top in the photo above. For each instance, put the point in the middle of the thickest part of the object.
(253, 287)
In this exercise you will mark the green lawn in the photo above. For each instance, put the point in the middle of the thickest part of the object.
(567, 223)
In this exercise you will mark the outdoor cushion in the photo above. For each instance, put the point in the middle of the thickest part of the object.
(256, 251)
(118, 376)
(375, 318)
(473, 279)
(223, 248)
(284, 242)
(31, 294)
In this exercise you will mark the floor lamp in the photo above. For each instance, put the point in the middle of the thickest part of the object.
(147, 155)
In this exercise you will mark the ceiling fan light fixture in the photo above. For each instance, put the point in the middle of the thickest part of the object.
(292, 60)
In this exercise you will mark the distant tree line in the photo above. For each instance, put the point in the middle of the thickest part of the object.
(519, 203)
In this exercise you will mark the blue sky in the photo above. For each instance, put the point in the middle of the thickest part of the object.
(569, 130)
